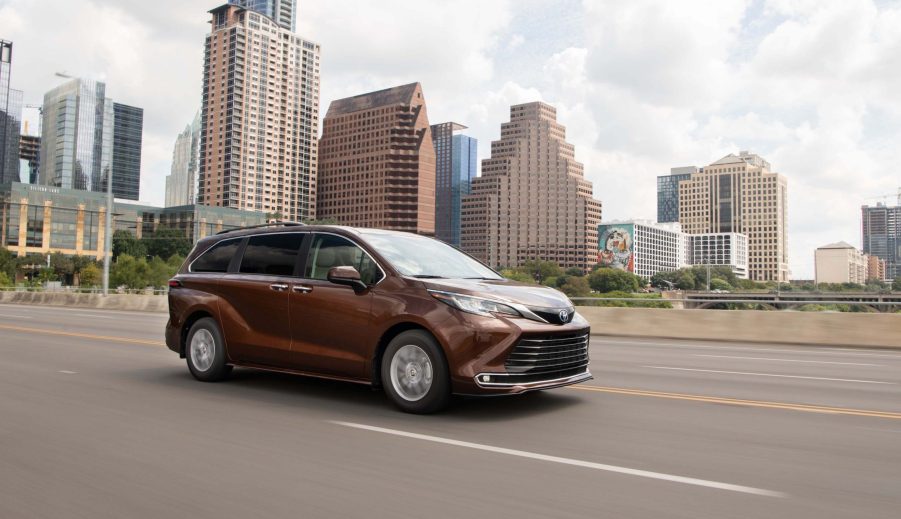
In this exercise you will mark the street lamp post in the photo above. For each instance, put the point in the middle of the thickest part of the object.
(107, 235)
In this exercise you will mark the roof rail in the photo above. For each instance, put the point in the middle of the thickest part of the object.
(262, 225)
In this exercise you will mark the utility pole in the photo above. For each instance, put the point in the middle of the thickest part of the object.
(707, 261)
(107, 236)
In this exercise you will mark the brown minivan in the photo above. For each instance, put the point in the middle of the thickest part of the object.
(392, 309)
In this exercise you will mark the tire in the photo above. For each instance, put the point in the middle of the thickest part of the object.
(205, 351)
(414, 373)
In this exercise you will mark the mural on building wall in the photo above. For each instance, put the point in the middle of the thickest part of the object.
(615, 246)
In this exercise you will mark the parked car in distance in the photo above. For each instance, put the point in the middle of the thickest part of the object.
(399, 311)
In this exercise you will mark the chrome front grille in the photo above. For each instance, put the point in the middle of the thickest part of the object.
(548, 357)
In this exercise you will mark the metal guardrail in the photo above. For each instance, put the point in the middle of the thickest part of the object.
(696, 303)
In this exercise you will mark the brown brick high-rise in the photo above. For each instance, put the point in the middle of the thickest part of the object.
(532, 200)
(377, 161)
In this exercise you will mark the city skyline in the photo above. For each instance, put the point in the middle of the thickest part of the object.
(819, 124)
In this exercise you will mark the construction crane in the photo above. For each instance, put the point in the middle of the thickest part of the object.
(887, 196)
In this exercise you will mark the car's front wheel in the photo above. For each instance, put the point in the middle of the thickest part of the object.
(415, 374)
(206, 351)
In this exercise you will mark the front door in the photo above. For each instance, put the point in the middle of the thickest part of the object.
(331, 323)
(255, 305)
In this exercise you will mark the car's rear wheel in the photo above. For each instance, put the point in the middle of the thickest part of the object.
(415, 374)
(206, 351)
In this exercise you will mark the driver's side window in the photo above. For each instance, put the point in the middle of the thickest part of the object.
(329, 251)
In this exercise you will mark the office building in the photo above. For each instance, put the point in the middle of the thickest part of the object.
(128, 130)
(876, 270)
(668, 193)
(181, 183)
(881, 229)
(282, 12)
(532, 201)
(37, 219)
(29, 157)
(10, 118)
(840, 262)
(455, 168)
(85, 137)
(377, 161)
(739, 194)
(720, 249)
(260, 116)
(642, 247)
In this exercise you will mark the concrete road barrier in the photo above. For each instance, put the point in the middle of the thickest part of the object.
(824, 328)
(133, 302)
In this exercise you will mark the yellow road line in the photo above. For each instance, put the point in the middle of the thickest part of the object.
(748, 403)
(81, 335)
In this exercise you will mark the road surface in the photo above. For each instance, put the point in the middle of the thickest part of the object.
(99, 419)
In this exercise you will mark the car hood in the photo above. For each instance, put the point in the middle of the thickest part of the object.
(533, 296)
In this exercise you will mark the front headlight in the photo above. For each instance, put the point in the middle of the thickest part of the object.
(474, 305)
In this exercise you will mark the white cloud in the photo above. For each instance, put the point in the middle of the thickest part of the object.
(642, 86)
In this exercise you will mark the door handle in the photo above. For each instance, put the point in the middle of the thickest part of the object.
(302, 289)
(278, 287)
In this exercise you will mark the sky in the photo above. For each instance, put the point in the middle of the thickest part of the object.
(813, 86)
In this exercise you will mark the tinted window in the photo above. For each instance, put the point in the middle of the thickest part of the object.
(217, 258)
(271, 254)
(420, 256)
(334, 251)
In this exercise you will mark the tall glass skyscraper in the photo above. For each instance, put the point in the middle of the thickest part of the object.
(668, 193)
(128, 128)
(283, 12)
(181, 183)
(79, 148)
(455, 167)
(10, 118)
(881, 226)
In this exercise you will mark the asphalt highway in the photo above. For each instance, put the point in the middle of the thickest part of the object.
(99, 419)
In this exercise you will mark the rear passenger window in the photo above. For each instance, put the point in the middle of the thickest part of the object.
(271, 254)
(217, 258)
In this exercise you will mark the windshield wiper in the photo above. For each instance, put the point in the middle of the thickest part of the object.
(428, 276)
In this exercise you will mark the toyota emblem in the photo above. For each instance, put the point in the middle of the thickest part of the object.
(564, 315)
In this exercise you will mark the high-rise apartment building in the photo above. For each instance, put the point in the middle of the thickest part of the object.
(840, 262)
(881, 229)
(642, 247)
(721, 248)
(10, 118)
(377, 161)
(80, 147)
(532, 201)
(739, 194)
(282, 12)
(876, 270)
(128, 132)
(668, 193)
(260, 116)
(181, 183)
(30, 156)
(455, 168)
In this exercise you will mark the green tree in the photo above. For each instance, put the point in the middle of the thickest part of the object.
(126, 243)
(609, 280)
(5, 281)
(166, 242)
(540, 270)
(576, 286)
(90, 276)
(720, 284)
(896, 284)
(130, 272)
(517, 276)
(7, 263)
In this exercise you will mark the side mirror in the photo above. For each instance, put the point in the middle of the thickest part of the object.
(346, 276)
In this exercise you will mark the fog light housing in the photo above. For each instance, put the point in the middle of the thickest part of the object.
(486, 378)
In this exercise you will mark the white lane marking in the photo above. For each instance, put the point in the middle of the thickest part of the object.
(95, 316)
(813, 350)
(785, 360)
(16, 316)
(67, 372)
(568, 461)
(771, 375)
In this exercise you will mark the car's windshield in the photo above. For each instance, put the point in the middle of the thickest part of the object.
(419, 256)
